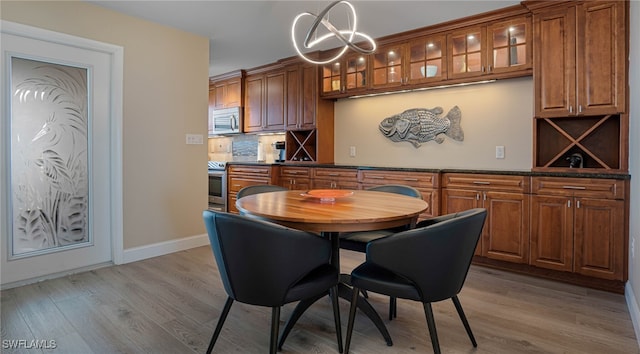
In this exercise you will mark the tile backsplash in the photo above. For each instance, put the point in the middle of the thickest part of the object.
(244, 148)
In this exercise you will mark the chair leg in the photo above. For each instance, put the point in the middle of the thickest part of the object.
(275, 324)
(393, 308)
(336, 316)
(431, 323)
(223, 317)
(456, 302)
(352, 317)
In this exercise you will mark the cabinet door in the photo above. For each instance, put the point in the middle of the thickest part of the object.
(293, 95)
(601, 57)
(356, 76)
(507, 227)
(309, 97)
(274, 100)
(386, 64)
(426, 59)
(467, 53)
(599, 238)
(212, 104)
(233, 93)
(332, 79)
(552, 232)
(455, 200)
(509, 46)
(554, 62)
(254, 104)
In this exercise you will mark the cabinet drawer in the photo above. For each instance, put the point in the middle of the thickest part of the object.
(333, 173)
(294, 171)
(414, 179)
(236, 183)
(481, 182)
(254, 170)
(579, 187)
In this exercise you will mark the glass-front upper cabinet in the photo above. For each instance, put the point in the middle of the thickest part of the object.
(467, 53)
(427, 59)
(510, 45)
(387, 66)
(332, 78)
(355, 72)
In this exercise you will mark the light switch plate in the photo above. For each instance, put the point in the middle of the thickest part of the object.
(195, 139)
(352, 151)
(500, 152)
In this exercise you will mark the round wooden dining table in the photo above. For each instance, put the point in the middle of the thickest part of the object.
(350, 210)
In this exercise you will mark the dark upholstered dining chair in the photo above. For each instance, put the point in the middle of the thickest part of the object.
(266, 264)
(357, 241)
(427, 264)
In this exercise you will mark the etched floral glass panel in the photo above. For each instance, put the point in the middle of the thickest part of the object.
(49, 157)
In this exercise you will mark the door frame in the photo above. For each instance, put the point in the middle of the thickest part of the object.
(116, 54)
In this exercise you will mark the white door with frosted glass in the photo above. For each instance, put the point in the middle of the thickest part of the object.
(57, 153)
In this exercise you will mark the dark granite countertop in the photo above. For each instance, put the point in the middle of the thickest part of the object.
(597, 175)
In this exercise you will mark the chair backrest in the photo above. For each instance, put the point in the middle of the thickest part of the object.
(258, 260)
(259, 188)
(398, 189)
(436, 258)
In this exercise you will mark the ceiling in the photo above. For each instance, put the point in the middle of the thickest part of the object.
(246, 34)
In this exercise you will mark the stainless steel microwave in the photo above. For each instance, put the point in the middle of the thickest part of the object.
(226, 121)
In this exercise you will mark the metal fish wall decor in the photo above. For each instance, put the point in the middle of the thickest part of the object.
(420, 125)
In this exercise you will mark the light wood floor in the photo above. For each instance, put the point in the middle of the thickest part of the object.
(170, 304)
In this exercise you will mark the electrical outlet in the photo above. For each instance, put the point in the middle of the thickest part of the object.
(195, 139)
(352, 151)
(500, 152)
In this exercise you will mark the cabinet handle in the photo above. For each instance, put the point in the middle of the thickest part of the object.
(574, 187)
(579, 108)
(376, 177)
(334, 174)
(577, 204)
(411, 179)
(570, 109)
(481, 182)
(482, 68)
(569, 203)
(484, 195)
(477, 196)
(490, 68)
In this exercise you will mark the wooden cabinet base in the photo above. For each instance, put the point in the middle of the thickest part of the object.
(614, 286)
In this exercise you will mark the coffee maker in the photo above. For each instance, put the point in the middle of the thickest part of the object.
(280, 146)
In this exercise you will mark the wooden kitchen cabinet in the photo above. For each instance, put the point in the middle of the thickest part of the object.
(426, 59)
(346, 76)
(505, 235)
(226, 91)
(334, 178)
(295, 177)
(310, 126)
(387, 68)
(240, 176)
(578, 226)
(265, 101)
(580, 58)
(426, 182)
(488, 50)
(580, 76)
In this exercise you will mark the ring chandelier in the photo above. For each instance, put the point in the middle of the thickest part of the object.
(346, 36)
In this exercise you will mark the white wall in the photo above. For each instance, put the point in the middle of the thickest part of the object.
(633, 288)
(495, 113)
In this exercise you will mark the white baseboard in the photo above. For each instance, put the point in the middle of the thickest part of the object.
(159, 249)
(634, 310)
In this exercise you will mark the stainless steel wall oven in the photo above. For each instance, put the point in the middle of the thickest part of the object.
(217, 186)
